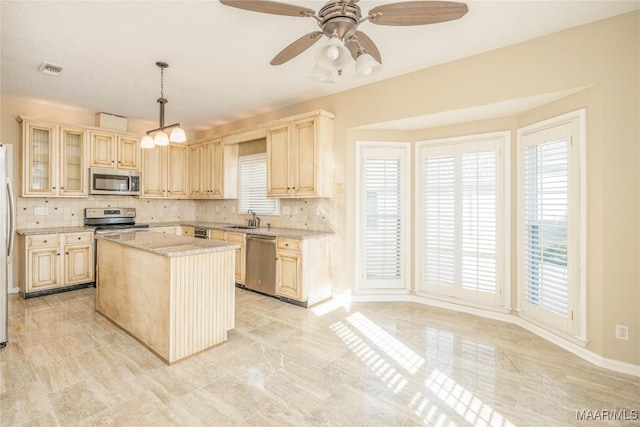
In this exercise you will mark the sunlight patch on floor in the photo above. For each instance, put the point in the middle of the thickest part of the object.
(464, 402)
(399, 352)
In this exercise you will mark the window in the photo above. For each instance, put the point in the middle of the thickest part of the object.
(461, 218)
(383, 204)
(252, 186)
(549, 222)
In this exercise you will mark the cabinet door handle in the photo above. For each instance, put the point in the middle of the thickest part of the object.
(54, 187)
(66, 253)
(62, 188)
(286, 244)
(79, 238)
(44, 241)
(58, 254)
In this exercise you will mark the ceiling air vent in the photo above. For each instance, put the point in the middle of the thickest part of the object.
(51, 69)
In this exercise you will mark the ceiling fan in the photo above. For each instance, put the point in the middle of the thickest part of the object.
(339, 21)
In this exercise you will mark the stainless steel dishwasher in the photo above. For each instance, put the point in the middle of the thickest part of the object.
(261, 264)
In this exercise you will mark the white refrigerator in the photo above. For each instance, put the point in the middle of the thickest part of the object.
(7, 231)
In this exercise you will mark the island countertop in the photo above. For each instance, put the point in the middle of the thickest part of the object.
(167, 244)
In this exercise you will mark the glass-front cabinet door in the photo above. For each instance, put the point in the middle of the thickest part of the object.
(73, 163)
(40, 173)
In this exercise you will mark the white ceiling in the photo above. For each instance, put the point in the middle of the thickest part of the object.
(219, 56)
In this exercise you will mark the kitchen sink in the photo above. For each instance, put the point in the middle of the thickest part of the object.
(240, 227)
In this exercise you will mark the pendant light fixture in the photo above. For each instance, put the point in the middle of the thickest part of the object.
(160, 137)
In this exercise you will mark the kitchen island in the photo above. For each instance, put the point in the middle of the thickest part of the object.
(174, 294)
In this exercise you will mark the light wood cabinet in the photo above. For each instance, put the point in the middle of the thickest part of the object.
(300, 157)
(165, 172)
(188, 231)
(178, 171)
(303, 269)
(50, 262)
(110, 150)
(165, 230)
(54, 160)
(241, 252)
(214, 172)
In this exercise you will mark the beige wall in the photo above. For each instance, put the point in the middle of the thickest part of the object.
(602, 57)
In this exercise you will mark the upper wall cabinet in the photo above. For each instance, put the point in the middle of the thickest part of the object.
(110, 150)
(54, 160)
(300, 157)
(165, 172)
(214, 170)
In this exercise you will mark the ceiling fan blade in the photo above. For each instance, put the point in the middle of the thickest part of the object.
(296, 48)
(272, 7)
(418, 12)
(364, 41)
(369, 45)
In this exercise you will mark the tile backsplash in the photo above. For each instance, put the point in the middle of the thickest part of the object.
(309, 214)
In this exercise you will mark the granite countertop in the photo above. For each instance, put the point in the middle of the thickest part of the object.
(261, 231)
(168, 245)
(55, 230)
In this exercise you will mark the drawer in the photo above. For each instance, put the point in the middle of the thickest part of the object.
(236, 237)
(217, 235)
(288, 244)
(43, 241)
(78, 237)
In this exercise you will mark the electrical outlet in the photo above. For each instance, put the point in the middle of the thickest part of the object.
(622, 332)
(174, 209)
(285, 210)
(217, 208)
(41, 211)
(318, 213)
(295, 210)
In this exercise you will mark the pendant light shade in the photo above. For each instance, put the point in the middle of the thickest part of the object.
(160, 137)
(177, 135)
(147, 142)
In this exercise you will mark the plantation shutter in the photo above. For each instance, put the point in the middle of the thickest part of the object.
(546, 206)
(439, 240)
(383, 218)
(384, 206)
(459, 219)
(252, 186)
(478, 228)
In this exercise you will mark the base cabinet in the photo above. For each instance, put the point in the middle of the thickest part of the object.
(303, 269)
(241, 252)
(50, 262)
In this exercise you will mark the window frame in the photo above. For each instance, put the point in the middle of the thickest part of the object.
(406, 219)
(576, 328)
(276, 211)
(502, 296)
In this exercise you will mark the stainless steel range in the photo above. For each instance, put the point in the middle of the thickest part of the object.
(111, 220)
(108, 220)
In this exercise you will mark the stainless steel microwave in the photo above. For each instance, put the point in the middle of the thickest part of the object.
(114, 181)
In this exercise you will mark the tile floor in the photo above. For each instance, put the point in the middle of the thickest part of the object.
(372, 364)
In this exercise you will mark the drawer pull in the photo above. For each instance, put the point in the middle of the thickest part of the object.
(44, 241)
(79, 238)
(286, 244)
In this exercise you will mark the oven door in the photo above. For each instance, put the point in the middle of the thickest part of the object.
(114, 181)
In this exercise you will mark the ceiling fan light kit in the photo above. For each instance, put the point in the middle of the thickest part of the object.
(339, 21)
(160, 137)
(321, 75)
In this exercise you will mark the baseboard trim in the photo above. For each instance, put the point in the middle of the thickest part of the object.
(510, 316)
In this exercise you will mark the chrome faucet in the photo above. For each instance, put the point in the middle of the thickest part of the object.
(254, 221)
